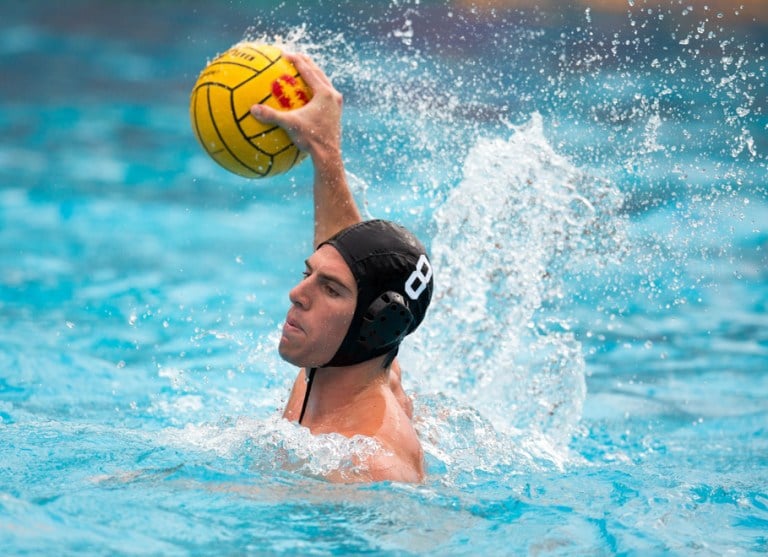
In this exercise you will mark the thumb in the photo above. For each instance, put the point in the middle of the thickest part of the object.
(266, 114)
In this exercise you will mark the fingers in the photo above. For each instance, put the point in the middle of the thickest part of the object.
(309, 70)
(312, 75)
(316, 126)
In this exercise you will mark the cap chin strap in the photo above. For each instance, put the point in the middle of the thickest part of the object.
(310, 379)
(384, 324)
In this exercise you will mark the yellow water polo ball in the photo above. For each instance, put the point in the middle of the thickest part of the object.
(247, 74)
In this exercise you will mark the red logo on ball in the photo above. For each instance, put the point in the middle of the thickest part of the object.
(286, 90)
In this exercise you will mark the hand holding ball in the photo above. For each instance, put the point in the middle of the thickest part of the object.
(245, 75)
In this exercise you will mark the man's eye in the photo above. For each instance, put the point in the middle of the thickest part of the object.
(306, 274)
(331, 290)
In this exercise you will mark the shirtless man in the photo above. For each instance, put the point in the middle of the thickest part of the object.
(366, 286)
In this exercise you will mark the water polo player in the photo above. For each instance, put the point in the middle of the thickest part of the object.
(366, 286)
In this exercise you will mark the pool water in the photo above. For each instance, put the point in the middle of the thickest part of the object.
(592, 377)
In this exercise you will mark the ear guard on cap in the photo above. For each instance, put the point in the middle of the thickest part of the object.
(386, 322)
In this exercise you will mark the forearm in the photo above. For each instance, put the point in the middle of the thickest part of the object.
(335, 207)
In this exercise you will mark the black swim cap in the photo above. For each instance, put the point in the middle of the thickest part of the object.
(394, 288)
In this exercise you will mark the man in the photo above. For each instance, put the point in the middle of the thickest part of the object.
(367, 285)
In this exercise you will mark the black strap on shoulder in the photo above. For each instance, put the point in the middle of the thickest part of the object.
(310, 378)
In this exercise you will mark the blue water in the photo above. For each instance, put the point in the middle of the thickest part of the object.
(593, 376)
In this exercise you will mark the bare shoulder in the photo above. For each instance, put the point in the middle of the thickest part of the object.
(403, 463)
(395, 384)
(400, 457)
(390, 464)
(386, 464)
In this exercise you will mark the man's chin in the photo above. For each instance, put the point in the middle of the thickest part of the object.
(285, 354)
(293, 359)
(299, 360)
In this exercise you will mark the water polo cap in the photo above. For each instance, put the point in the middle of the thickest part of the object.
(394, 288)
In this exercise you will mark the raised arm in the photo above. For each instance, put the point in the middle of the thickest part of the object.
(316, 129)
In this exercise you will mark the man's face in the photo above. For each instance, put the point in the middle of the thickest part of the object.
(322, 307)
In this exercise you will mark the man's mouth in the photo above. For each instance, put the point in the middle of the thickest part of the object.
(292, 325)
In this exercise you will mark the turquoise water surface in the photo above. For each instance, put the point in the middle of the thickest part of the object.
(592, 378)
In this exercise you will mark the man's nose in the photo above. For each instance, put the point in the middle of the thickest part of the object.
(298, 295)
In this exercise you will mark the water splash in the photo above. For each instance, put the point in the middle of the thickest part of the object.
(274, 445)
(522, 221)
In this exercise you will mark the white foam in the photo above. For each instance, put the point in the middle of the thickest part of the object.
(275, 444)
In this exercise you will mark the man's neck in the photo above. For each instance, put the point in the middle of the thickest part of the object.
(347, 400)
